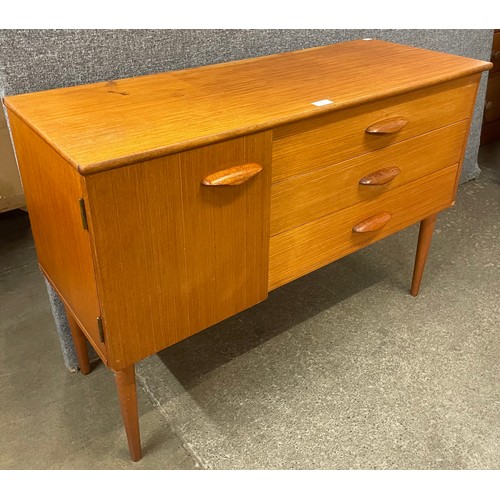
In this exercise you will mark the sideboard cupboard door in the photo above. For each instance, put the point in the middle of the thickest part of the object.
(174, 255)
(226, 229)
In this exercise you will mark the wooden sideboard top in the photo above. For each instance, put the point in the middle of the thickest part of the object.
(101, 126)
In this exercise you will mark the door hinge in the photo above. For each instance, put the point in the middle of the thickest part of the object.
(100, 329)
(83, 213)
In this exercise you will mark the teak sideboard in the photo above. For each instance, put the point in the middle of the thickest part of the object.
(163, 204)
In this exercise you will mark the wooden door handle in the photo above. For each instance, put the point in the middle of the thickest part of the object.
(380, 177)
(373, 223)
(388, 126)
(232, 176)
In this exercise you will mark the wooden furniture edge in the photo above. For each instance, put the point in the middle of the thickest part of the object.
(75, 317)
(120, 161)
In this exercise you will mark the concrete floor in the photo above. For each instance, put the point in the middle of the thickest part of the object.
(53, 419)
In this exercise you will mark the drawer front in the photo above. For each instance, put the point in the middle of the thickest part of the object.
(307, 197)
(322, 141)
(311, 246)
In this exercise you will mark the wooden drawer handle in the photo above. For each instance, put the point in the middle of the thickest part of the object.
(380, 177)
(372, 223)
(388, 126)
(232, 176)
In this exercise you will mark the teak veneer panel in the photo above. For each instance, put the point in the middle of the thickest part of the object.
(226, 230)
(104, 125)
(331, 138)
(313, 245)
(52, 190)
(175, 256)
(306, 197)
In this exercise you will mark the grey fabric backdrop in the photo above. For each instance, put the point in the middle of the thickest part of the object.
(32, 60)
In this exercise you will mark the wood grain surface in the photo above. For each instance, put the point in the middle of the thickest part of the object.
(391, 125)
(306, 197)
(424, 242)
(233, 176)
(127, 396)
(104, 125)
(63, 247)
(313, 245)
(380, 177)
(322, 141)
(175, 256)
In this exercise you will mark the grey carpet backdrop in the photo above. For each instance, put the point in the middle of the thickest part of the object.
(32, 60)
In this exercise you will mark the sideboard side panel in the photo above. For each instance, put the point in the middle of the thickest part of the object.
(175, 256)
(53, 189)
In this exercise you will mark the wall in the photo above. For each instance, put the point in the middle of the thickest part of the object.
(32, 60)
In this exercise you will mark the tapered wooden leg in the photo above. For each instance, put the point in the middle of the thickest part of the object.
(127, 394)
(80, 342)
(424, 242)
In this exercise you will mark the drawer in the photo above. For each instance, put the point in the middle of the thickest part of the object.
(492, 103)
(313, 245)
(306, 197)
(337, 136)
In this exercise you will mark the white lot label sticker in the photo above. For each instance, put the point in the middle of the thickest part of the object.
(324, 102)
